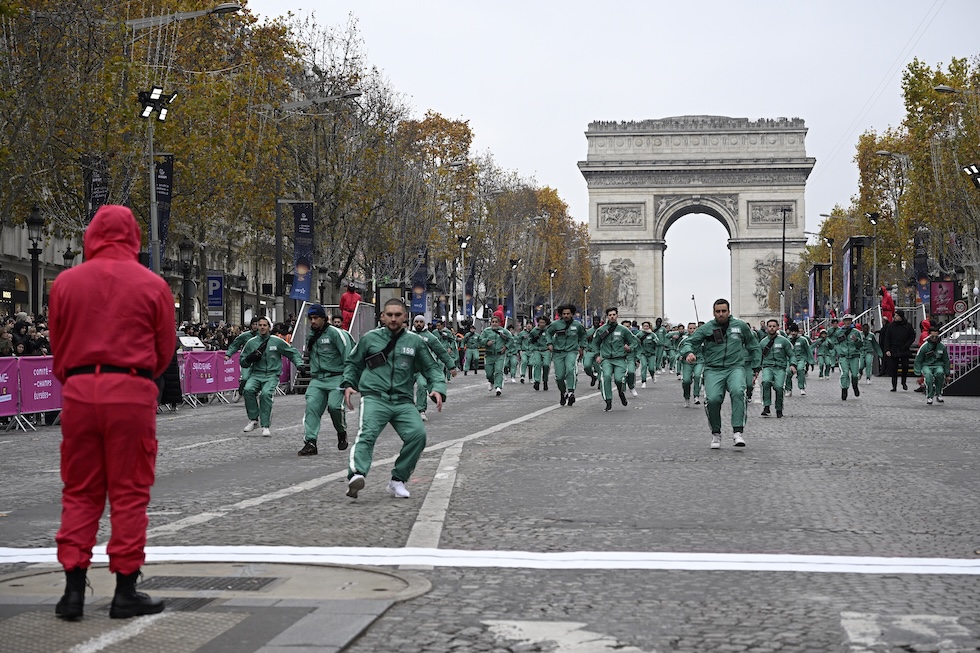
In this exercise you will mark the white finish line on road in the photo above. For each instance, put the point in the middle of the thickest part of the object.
(653, 560)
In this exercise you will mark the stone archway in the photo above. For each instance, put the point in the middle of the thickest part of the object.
(644, 176)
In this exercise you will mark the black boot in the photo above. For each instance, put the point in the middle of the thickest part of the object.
(127, 602)
(546, 384)
(857, 391)
(843, 394)
(71, 605)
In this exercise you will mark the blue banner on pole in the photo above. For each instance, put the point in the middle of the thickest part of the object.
(164, 182)
(419, 282)
(302, 287)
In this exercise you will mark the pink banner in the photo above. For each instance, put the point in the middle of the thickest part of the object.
(40, 391)
(9, 386)
(201, 372)
(287, 365)
(229, 372)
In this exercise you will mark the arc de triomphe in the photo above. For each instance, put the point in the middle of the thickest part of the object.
(644, 176)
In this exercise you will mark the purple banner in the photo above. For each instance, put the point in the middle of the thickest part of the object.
(302, 286)
(40, 391)
(229, 372)
(200, 372)
(419, 283)
(941, 298)
(287, 366)
(164, 171)
(9, 385)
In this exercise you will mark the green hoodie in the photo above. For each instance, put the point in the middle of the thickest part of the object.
(328, 351)
(394, 379)
(240, 341)
(780, 351)
(738, 345)
(495, 340)
(270, 364)
(608, 342)
(566, 336)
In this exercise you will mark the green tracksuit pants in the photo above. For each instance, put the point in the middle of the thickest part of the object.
(588, 364)
(631, 370)
(827, 363)
(324, 394)
(934, 376)
(472, 359)
(647, 366)
(773, 378)
(800, 377)
(540, 365)
(259, 390)
(494, 368)
(691, 377)
(867, 364)
(566, 371)
(512, 365)
(718, 381)
(613, 371)
(376, 413)
(421, 392)
(850, 371)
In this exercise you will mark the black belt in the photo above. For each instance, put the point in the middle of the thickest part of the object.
(109, 369)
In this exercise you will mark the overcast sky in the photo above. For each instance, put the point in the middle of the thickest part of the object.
(530, 75)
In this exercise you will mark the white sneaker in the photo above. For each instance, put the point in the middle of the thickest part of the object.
(643, 385)
(424, 418)
(251, 426)
(633, 392)
(497, 391)
(868, 381)
(789, 393)
(737, 439)
(802, 392)
(715, 441)
(397, 489)
(697, 401)
(266, 433)
(939, 398)
(354, 485)
(929, 401)
(489, 386)
(687, 403)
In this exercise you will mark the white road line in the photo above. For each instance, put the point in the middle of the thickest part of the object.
(652, 560)
(117, 635)
(202, 444)
(427, 530)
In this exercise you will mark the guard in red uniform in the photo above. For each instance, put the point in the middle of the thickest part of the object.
(348, 302)
(108, 418)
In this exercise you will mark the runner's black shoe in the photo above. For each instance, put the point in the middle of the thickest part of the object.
(309, 449)
(342, 440)
(571, 397)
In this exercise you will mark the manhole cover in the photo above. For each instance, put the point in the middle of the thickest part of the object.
(217, 583)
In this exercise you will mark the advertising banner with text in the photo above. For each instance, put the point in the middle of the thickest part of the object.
(39, 390)
(9, 387)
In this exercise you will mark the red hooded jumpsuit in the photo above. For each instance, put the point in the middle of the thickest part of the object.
(108, 419)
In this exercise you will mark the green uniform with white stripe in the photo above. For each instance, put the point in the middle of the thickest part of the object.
(609, 343)
(932, 362)
(567, 341)
(496, 342)
(328, 351)
(387, 397)
(264, 375)
(777, 355)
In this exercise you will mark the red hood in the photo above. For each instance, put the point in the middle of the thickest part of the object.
(113, 233)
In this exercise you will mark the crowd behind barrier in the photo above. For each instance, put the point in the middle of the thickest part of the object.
(28, 385)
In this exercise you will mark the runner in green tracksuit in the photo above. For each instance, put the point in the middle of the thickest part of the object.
(932, 362)
(647, 354)
(727, 342)
(847, 342)
(777, 355)
(749, 365)
(263, 354)
(539, 356)
(472, 355)
(869, 349)
(588, 358)
(236, 345)
(437, 346)
(826, 354)
(328, 348)
(661, 332)
(567, 346)
(382, 367)
(612, 343)
(496, 341)
(691, 372)
(513, 353)
(802, 356)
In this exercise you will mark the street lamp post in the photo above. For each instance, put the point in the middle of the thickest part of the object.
(551, 291)
(158, 21)
(514, 262)
(585, 309)
(873, 219)
(830, 244)
(464, 242)
(35, 228)
(242, 286)
(186, 248)
(68, 256)
(782, 277)
(153, 101)
(792, 313)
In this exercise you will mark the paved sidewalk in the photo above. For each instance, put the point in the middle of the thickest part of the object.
(211, 608)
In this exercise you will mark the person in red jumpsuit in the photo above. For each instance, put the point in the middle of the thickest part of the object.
(348, 302)
(887, 305)
(108, 417)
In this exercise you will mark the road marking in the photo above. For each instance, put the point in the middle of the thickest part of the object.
(868, 632)
(427, 530)
(598, 560)
(118, 635)
(560, 636)
(202, 444)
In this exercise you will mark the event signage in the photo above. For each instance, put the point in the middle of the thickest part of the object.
(302, 286)
(9, 387)
(200, 372)
(39, 390)
(216, 293)
(229, 372)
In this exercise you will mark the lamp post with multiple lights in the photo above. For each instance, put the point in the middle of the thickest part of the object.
(35, 229)
(464, 242)
(514, 262)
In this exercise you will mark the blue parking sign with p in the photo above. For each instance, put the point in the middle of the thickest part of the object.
(216, 293)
